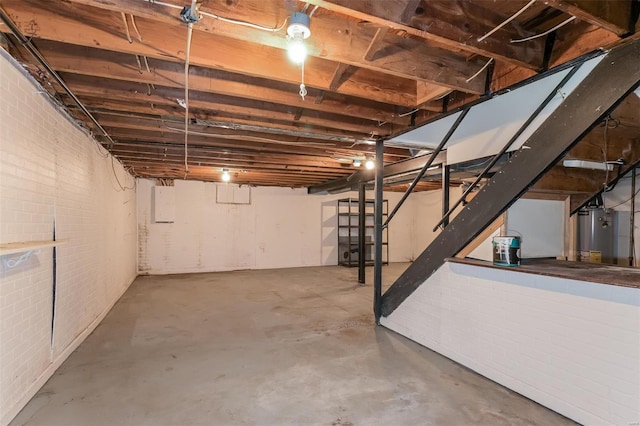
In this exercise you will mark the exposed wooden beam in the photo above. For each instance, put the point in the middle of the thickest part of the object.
(408, 11)
(455, 24)
(104, 64)
(67, 23)
(375, 44)
(613, 15)
(220, 105)
(341, 75)
(335, 39)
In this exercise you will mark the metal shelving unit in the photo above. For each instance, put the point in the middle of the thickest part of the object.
(348, 214)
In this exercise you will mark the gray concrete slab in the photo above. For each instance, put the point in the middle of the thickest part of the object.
(272, 347)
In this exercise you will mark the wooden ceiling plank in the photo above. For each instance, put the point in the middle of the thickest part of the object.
(123, 91)
(613, 15)
(104, 64)
(63, 22)
(456, 24)
(229, 163)
(338, 40)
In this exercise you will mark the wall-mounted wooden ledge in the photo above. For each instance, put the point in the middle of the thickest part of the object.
(19, 247)
(581, 271)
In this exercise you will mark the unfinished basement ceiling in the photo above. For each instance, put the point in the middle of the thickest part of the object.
(374, 70)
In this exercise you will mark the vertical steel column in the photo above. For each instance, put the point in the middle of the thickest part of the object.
(362, 215)
(377, 269)
(632, 218)
(446, 180)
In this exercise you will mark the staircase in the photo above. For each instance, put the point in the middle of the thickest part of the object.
(617, 75)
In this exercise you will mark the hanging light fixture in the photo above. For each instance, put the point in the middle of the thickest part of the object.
(298, 31)
(369, 164)
(226, 177)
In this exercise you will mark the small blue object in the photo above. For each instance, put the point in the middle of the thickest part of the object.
(188, 15)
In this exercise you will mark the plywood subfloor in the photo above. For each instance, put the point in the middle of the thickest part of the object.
(274, 347)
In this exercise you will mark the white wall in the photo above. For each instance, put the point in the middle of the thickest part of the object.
(572, 346)
(619, 200)
(280, 228)
(540, 223)
(51, 171)
(427, 211)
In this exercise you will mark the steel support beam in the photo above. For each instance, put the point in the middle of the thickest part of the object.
(377, 239)
(597, 95)
(390, 170)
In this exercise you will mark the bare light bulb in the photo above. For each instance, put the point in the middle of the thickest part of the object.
(226, 177)
(297, 51)
(369, 164)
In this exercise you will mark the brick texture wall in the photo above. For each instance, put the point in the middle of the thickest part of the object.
(50, 171)
(571, 346)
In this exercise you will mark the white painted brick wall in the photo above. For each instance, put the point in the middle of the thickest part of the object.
(281, 228)
(572, 346)
(50, 170)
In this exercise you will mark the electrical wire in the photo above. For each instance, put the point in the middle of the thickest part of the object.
(408, 113)
(245, 23)
(514, 16)
(560, 25)
(480, 70)
(135, 27)
(625, 201)
(122, 188)
(223, 19)
(186, 100)
(126, 27)
(247, 137)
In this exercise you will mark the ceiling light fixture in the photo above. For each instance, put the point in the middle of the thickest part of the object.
(586, 164)
(369, 164)
(226, 177)
(297, 31)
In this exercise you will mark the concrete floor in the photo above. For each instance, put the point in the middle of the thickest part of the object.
(274, 347)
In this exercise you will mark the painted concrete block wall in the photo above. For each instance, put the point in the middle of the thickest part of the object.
(572, 346)
(51, 171)
(279, 228)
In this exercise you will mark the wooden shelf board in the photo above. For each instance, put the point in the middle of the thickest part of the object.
(19, 247)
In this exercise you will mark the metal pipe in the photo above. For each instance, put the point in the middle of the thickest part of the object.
(36, 54)
(504, 149)
(377, 268)
(632, 218)
(362, 215)
(264, 129)
(426, 165)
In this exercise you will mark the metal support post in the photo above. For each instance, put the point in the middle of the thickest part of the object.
(632, 218)
(377, 269)
(362, 215)
(446, 180)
